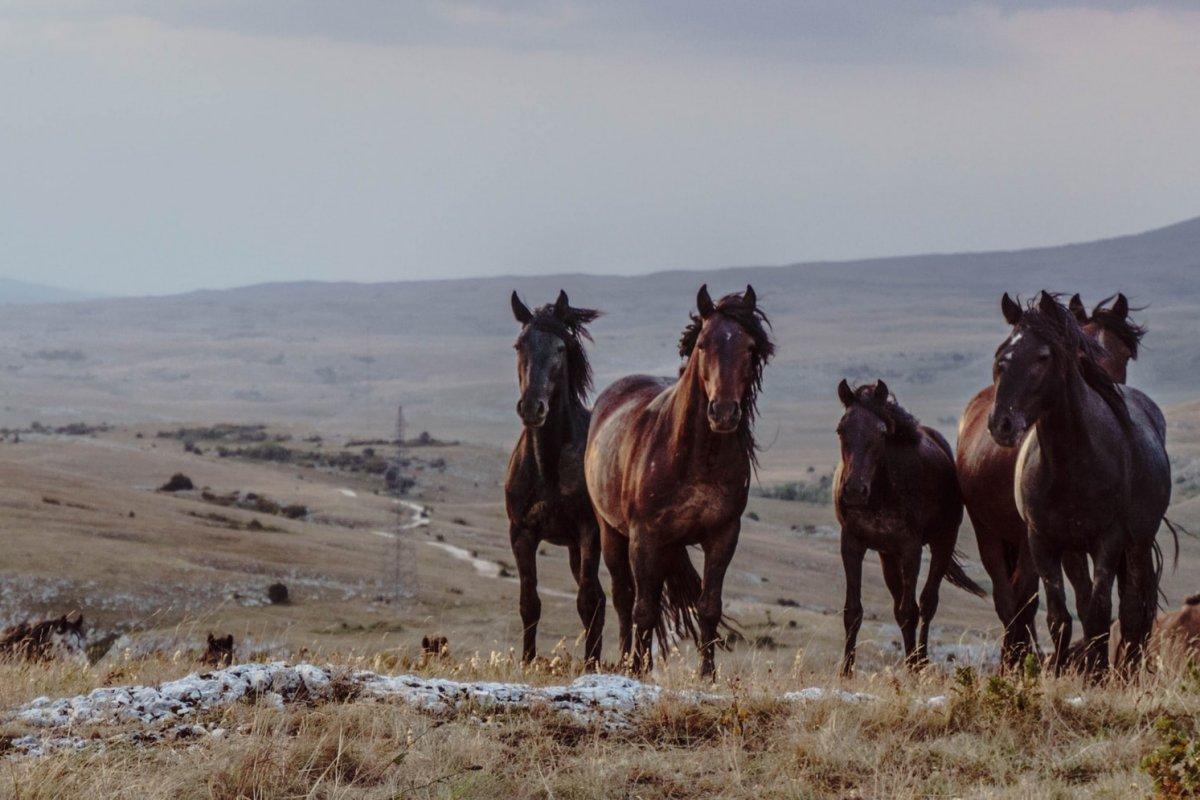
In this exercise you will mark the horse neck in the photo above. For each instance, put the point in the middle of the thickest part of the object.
(1063, 429)
(548, 441)
(693, 443)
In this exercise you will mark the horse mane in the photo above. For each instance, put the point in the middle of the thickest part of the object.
(1058, 328)
(1124, 328)
(902, 427)
(754, 322)
(571, 327)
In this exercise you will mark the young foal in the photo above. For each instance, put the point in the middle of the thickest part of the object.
(668, 465)
(544, 492)
(985, 476)
(1092, 475)
(895, 492)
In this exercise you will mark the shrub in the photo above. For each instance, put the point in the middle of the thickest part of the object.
(1174, 766)
(178, 483)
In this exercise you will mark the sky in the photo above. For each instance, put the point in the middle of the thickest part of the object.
(159, 146)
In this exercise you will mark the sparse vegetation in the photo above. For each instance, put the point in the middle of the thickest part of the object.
(178, 483)
(70, 355)
(818, 492)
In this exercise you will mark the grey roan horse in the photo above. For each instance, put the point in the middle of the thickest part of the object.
(1092, 477)
(544, 493)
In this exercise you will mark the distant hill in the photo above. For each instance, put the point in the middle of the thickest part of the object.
(13, 291)
(342, 355)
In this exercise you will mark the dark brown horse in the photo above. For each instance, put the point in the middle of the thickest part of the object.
(985, 475)
(48, 640)
(895, 492)
(1092, 476)
(544, 493)
(668, 465)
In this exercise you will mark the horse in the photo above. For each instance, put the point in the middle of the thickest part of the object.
(218, 652)
(544, 491)
(48, 640)
(985, 476)
(895, 492)
(1092, 476)
(668, 465)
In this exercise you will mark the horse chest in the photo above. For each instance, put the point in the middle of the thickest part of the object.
(687, 509)
(882, 531)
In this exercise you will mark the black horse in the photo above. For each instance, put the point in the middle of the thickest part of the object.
(544, 492)
(895, 492)
(1092, 476)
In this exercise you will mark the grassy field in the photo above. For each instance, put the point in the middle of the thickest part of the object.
(1022, 736)
(154, 571)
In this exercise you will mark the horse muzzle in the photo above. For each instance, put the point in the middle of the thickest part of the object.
(533, 411)
(724, 416)
(855, 494)
(1006, 428)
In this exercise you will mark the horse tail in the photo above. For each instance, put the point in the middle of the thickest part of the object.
(679, 617)
(959, 578)
(1175, 528)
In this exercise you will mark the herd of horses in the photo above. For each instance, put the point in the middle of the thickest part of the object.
(1061, 467)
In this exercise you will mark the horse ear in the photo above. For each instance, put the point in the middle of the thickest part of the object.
(845, 393)
(1076, 306)
(1011, 309)
(882, 393)
(1121, 306)
(562, 305)
(1047, 304)
(520, 310)
(424, 642)
(704, 303)
(750, 298)
(211, 639)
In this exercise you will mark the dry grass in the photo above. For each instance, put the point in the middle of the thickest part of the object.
(1019, 736)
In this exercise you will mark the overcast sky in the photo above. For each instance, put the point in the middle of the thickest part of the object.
(160, 146)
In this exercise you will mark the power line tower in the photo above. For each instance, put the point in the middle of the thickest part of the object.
(409, 518)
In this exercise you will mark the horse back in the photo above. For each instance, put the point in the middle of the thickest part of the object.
(632, 388)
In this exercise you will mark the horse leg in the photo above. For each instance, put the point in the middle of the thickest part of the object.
(941, 552)
(1075, 565)
(590, 600)
(1025, 596)
(1048, 561)
(616, 557)
(991, 554)
(852, 612)
(1098, 618)
(524, 548)
(718, 552)
(647, 603)
(1139, 594)
(900, 572)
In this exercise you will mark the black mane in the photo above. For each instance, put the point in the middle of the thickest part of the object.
(571, 328)
(755, 323)
(1059, 329)
(1124, 328)
(902, 427)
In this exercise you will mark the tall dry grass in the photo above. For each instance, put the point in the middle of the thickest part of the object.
(1022, 735)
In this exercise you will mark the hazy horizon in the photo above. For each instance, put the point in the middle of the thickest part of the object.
(155, 148)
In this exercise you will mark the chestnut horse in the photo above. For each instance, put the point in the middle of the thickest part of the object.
(668, 465)
(985, 476)
(544, 492)
(895, 492)
(1092, 476)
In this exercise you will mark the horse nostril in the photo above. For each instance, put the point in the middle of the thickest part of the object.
(542, 408)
